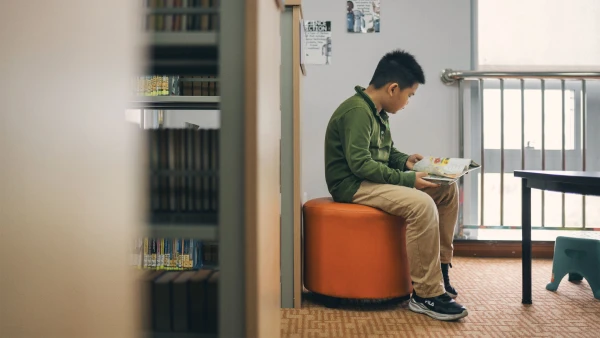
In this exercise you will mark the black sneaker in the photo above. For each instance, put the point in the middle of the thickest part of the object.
(449, 289)
(441, 307)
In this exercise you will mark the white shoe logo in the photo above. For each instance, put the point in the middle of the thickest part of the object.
(428, 302)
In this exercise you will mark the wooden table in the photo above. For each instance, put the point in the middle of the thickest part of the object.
(576, 182)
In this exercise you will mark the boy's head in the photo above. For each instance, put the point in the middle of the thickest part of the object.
(397, 78)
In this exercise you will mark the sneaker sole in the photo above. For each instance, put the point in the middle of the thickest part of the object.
(418, 308)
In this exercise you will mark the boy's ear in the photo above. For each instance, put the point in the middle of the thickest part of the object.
(392, 88)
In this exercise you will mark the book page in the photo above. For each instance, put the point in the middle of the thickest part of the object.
(444, 166)
(440, 180)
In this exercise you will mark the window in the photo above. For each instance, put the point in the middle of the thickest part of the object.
(538, 33)
(533, 35)
(533, 119)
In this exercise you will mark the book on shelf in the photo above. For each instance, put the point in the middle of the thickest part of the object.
(174, 254)
(445, 170)
(206, 85)
(176, 85)
(180, 301)
(207, 21)
(162, 301)
(156, 85)
(184, 166)
(180, 291)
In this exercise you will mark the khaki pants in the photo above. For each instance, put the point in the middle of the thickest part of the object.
(431, 216)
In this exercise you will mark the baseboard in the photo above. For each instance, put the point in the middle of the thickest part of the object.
(504, 249)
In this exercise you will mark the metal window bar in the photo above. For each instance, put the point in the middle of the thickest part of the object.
(461, 140)
(450, 76)
(583, 141)
(543, 192)
(564, 159)
(522, 124)
(501, 151)
(481, 84)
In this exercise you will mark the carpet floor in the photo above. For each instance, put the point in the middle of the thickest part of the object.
(491, 291)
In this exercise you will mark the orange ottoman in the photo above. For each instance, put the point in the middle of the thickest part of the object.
(354, 251)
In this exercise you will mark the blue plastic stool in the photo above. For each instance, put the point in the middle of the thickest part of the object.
(578, 257)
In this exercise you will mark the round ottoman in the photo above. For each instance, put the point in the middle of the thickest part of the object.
(354, 251)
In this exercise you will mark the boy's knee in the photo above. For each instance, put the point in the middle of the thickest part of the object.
(453, 191)
(423, 204)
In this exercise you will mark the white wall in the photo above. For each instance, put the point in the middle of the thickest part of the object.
(437, 32)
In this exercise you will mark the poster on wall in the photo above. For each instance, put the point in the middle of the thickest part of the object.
(317, 48)
(362, 16)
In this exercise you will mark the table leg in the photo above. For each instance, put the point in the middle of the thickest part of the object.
(526, 240)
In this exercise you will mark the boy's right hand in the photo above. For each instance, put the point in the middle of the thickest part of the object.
(421, 184)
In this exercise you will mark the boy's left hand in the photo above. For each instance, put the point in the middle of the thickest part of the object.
(412, 159)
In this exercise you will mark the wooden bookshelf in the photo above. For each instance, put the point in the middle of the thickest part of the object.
(244, 55)
(292, 76)
(261, 135)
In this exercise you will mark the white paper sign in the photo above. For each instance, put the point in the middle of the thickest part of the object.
(317, 48)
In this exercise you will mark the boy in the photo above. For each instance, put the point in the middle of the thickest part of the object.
(363, 166)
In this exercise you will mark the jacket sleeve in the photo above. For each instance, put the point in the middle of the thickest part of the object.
(357, 130)
(397, 159)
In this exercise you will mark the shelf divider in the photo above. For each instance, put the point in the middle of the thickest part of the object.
(189, 39)
(205, 232)
(175, 102)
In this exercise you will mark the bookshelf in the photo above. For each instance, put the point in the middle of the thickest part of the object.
(227, 197)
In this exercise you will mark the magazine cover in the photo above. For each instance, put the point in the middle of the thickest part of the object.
(444, 169)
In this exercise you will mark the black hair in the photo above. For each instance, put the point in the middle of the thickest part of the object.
(400, 67)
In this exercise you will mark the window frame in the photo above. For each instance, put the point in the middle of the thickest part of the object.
(512, 157)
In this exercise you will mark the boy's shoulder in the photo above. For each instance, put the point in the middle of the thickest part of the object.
(354, 102)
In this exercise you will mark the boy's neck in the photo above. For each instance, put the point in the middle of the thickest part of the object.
(375, 97)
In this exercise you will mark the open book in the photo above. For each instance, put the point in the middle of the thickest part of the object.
(444, 170)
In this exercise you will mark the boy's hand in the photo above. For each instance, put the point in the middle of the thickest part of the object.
(421, 183)
(412, 160)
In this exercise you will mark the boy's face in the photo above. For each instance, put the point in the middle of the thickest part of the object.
(398, 98)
